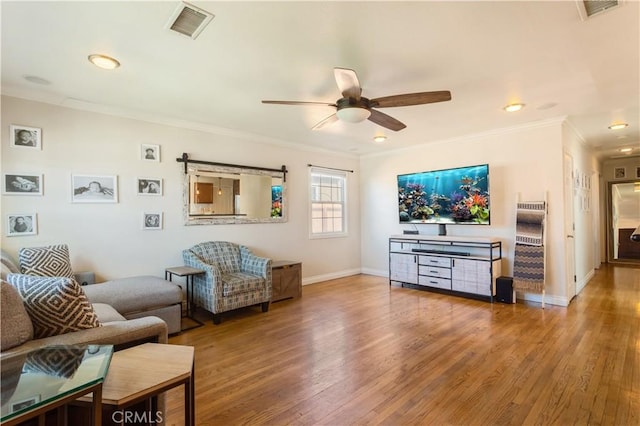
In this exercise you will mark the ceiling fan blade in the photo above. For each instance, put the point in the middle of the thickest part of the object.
(330, 119)
(385, 120)
(298, 103)
(411, 99)
(348, 83)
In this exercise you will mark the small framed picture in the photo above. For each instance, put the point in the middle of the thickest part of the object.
(22, 224)
(25, 137)
(638, 172)
(94, 189)
(24, 403)
(619, 172)
(152, 221)
(150, 152)
(149, 186)
(22, 184)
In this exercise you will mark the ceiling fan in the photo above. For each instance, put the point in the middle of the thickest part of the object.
(354, 108)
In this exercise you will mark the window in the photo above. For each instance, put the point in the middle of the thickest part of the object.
(328, 203)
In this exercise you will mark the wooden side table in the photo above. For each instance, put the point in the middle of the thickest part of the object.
(189, 273)
(286, 280)
(139, 373)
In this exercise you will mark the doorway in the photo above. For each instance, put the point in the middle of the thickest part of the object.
(623, 217)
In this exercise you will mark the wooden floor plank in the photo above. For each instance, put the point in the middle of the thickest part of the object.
(358, 351)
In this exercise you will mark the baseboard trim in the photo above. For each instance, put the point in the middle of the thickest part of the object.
(584, 281)
(376, 272)
(548, 299)
(332, 276)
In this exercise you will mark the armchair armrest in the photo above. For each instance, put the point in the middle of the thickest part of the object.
(253, 264)
(191, 259)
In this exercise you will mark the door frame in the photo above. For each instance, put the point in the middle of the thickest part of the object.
(609, 224)
(571, 285)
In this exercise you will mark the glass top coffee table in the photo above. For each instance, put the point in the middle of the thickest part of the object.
(43, 379)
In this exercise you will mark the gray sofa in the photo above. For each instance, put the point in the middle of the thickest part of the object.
(130, 311)
(141, 296)
(17, 329)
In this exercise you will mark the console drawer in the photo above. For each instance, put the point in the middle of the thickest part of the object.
(442, 262)
(435, 282)
(434, 271)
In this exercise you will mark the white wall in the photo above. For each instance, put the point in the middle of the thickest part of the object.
(585, 206)
(108, 239)
(528, 160)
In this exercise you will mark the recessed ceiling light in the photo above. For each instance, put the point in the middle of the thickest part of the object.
(104, 62)
(618, 126)
(380, 138)
(626, 149)
(513, 107)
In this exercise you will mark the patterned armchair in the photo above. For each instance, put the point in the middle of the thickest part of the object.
(234, 277)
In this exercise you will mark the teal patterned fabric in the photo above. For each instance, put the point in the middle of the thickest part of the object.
(234, 277)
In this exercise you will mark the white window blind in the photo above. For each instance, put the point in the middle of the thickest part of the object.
(328, 202)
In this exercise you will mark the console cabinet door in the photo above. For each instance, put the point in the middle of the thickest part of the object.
(403, 268)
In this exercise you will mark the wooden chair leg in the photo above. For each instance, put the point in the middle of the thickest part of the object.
(217, 319)
(265, 306)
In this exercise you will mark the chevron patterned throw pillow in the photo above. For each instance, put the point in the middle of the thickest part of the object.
(49, 261)
(56, 305)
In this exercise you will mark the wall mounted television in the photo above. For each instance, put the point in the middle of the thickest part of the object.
(449, 196)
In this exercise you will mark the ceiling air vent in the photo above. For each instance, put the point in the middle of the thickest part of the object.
(589, 8)
(189, 20)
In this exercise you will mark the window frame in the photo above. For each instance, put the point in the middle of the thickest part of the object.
(333, 174)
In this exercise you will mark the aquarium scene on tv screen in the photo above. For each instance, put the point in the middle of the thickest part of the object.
(455, 196)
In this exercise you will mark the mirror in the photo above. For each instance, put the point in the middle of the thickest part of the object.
(228, 194)
(624, 218)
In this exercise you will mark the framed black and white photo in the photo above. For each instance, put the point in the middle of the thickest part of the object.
(22, 224)
(22, 184)
(25, 137)
(619, 172)
(149, 186)
(150, 152)
(94, 189)
(152, 221)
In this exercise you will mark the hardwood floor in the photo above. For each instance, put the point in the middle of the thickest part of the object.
(356, 351)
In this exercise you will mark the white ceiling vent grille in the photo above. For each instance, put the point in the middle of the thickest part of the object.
(589, 8)
(189, 20)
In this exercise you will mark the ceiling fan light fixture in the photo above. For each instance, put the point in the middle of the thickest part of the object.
(353, 114)
(379, 138)
(618, 126)
(104, 62)
(513, 107)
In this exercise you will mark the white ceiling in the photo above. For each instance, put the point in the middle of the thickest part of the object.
(487, 54)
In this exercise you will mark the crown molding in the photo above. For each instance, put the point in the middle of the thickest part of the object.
(555, 121)
(82, 105)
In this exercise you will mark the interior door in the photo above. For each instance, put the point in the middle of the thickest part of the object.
(569, 228)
